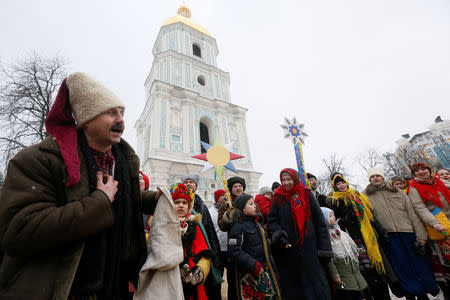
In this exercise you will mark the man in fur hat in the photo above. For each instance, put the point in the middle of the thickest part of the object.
(71, 207)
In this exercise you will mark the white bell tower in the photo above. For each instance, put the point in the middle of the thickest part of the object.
(187, 100)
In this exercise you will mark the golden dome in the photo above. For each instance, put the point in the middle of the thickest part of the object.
(184, 16)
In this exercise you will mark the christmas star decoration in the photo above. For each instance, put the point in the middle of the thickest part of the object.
(218, 156)
(294, 131)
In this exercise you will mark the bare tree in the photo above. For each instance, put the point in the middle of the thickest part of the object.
(27, 90)
(399, 162)
(370, 158)
(333, 164)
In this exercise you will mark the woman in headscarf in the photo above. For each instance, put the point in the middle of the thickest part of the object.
(354, 213)
(300, 237)
(431, 200)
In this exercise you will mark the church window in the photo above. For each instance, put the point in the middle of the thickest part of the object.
(201, 80)
(204, 136)
(196, 50)
(176, 138)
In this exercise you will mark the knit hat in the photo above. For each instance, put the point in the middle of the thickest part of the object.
(193, 177)
(415, 166)
(375, 171)
(397, 178)
(265, 190)
(326, 214)
(146, 181)
(88, 98)
(179, 190)
(309, 175)
(275, 185)
(233, 180)
(76, 94)
(218, 193)
(241, 201)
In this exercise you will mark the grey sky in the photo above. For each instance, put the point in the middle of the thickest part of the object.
(357, 73)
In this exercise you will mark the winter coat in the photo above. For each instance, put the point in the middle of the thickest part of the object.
(301, 273)
(201, 208)
(424, 209)
(349, 274)
(165, 253)
(222, 236)
(196, 254)
(322, 199)
(44, 223)
(394, 210)
(245, 245)
(264, 205)
(247, 250)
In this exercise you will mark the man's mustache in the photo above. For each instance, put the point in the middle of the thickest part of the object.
(118, 127)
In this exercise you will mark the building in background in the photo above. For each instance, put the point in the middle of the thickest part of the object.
(430, 146)
(188, 101)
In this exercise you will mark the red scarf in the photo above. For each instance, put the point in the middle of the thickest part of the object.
(428, 190)
(297, 196)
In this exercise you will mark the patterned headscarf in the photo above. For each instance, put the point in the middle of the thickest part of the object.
(363, 211)
(297, 197)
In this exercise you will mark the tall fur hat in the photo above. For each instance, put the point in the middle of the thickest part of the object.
(88, 98)
(233, 180)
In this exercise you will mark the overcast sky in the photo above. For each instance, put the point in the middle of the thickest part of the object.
(357, 73)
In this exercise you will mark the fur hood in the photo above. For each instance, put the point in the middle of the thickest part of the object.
(371, 189)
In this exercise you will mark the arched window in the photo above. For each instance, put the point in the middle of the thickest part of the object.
(204, 135)
(196, 50)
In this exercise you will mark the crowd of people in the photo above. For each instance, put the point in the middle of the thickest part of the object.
(72, 225)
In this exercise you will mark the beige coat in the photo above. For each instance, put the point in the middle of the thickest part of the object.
(160, 276)
(424, 209)
(393, 209)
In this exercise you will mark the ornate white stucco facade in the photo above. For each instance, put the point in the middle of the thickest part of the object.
(183, 89)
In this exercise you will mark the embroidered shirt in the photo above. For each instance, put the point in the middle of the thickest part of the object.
(105, 160)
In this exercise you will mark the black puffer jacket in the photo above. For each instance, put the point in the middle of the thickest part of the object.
(245, 245)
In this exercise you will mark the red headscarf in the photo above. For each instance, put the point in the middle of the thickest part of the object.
(297, 197)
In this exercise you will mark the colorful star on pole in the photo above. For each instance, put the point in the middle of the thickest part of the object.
(218, 157)
(294, 130)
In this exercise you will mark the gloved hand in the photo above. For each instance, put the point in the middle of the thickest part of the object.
(420, 249)
(280, 239)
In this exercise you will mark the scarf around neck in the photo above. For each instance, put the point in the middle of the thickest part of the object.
(363, 211)
(297, 198)
(429, 190)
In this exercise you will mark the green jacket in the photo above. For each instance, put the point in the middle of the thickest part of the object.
(44, 223)
(349, 274)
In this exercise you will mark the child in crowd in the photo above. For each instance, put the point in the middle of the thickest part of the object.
(197, 256)
(264, 201)
(344, 266)
(248, 247)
